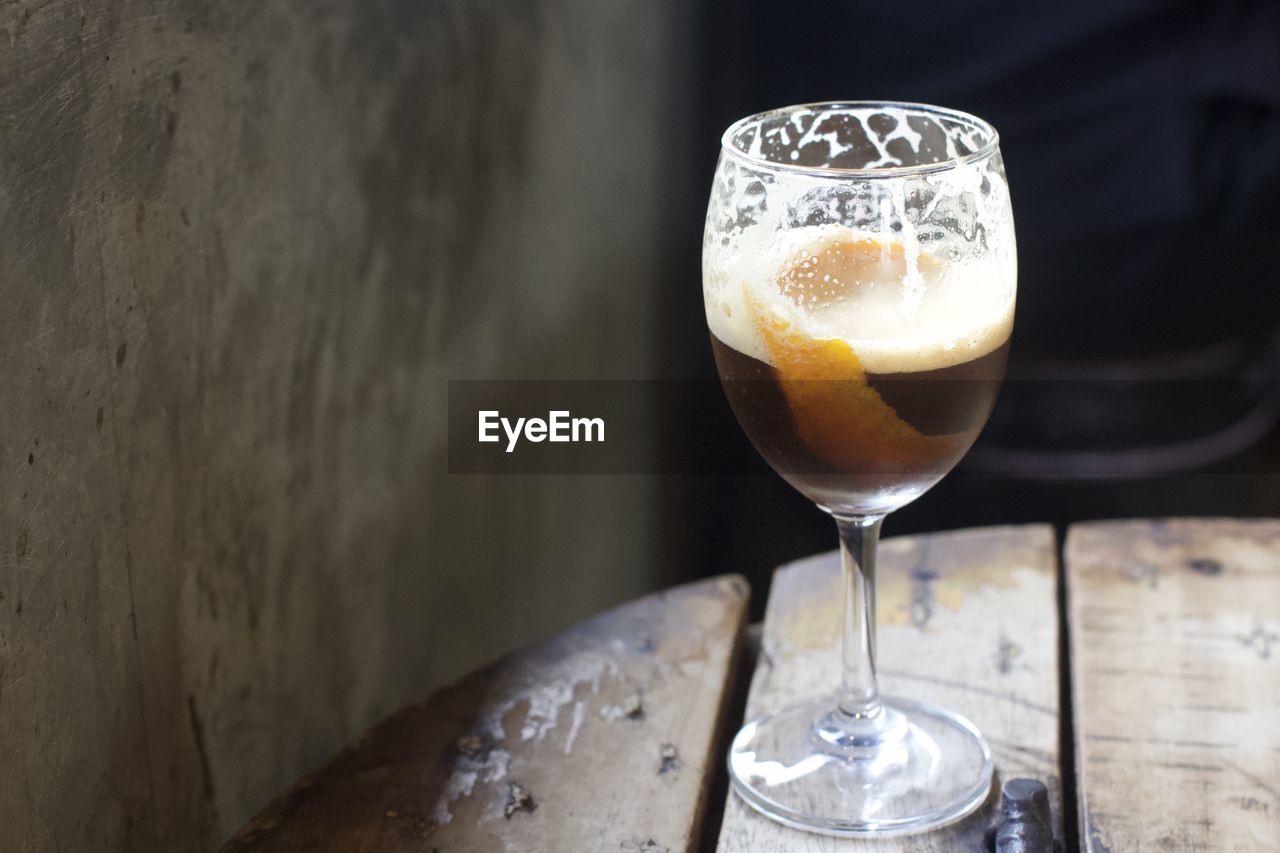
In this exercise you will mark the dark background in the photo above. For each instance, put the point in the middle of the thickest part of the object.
(1142, 145)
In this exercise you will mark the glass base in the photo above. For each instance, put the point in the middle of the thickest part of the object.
(910, 767)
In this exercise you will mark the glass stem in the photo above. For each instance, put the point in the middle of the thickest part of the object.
(859, 697)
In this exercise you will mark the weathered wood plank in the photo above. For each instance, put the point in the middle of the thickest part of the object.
(968, 620)
(1175, 658)
(601, 738)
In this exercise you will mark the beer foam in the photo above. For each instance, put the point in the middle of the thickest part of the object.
(898, 307)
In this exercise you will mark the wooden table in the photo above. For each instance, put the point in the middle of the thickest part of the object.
(1142, 685)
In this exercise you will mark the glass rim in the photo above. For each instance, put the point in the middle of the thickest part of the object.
(991, 145)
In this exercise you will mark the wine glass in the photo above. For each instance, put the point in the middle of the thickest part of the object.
(859, 277)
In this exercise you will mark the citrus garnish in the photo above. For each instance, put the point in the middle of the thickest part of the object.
(837, 414)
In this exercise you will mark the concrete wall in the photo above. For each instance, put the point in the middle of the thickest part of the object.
(242, 247)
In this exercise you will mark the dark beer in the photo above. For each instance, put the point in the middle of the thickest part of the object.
(864, 425)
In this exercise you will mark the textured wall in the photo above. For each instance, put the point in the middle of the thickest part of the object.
(242, 246)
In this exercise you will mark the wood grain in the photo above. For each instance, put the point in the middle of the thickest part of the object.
(1175, 649)
(968, 620)
(602, 738)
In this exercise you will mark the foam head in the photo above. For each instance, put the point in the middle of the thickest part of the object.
(886, 228)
